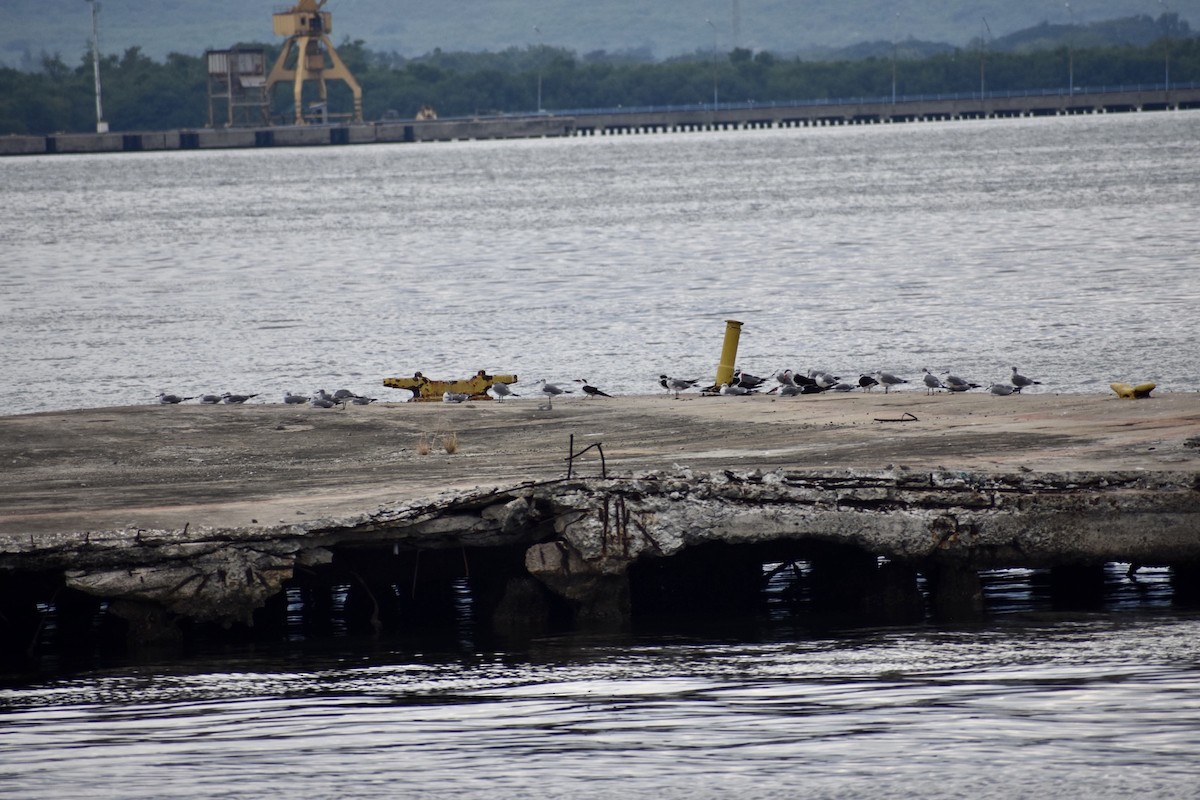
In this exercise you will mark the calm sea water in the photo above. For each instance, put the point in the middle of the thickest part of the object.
(1065, 246)
(1035, 702)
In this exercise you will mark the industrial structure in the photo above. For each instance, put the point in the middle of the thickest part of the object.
(237, 88)
(309, 55)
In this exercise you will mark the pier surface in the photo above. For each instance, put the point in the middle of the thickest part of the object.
(164, 467)
(164, 517)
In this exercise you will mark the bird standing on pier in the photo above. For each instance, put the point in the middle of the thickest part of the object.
(294, 399)
(590, 391)
(1021, 382)
(210, 399)
(676, 385)
(932, 382)
(551, 390)
(502, 391)
(1003, 389)
(889, 380)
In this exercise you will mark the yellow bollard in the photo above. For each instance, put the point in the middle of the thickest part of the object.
(733, 330)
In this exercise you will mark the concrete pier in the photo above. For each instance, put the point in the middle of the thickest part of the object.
(170, 517)
(620, 122)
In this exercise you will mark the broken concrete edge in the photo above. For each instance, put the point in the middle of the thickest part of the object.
(582, 535)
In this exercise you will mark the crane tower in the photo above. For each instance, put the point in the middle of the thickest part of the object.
(307, 29)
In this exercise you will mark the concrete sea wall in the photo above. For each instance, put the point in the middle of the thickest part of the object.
(729, 116)
(597, 552)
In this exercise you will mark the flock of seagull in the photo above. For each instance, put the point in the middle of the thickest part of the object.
(321, 399)
(790, 382)
(786, 383)
(549, 390)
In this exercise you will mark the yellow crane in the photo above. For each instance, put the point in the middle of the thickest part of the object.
(307, 29)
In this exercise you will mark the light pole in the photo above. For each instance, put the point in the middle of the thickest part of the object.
(538, 31)
(101, 125)
(987, 32)
(1166, 47)
(714, 61)
(895, 24)
(1070, 51)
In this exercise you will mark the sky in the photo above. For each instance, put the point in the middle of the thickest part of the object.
(646, 27)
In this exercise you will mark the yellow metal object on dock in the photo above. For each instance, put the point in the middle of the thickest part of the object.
(733, 332)
(425, 390)
(1128, 391)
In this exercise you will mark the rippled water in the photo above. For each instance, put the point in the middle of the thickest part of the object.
(1100, 704)
(1090, 707)
(1066, 246)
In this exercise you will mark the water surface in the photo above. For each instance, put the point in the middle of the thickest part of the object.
(1065, 246)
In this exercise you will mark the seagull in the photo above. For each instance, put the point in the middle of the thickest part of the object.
(359, 400)
(807, 388)
(889, 380)
(502, 391)
(1003, 389)
(171, 399)
(957, 384)
(735, 389)
(210, 399)
(866, 382)
(550, 390)
(344, 394)
(293, 399)
(932, 383)
(1020, 381)
(747, 381)
(843, 387)
(823, 379)
(454, 397)
(236, 399)
(321, 402)
(787, 377)
(590, 391)
(676, 385)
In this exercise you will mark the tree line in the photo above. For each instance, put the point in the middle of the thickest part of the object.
(141, 94)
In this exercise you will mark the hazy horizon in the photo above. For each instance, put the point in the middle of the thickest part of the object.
(63, 27)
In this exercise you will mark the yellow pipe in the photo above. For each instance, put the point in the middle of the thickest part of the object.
(733, 330)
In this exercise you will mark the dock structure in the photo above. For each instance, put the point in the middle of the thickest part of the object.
(624, 121)
(166, 519)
